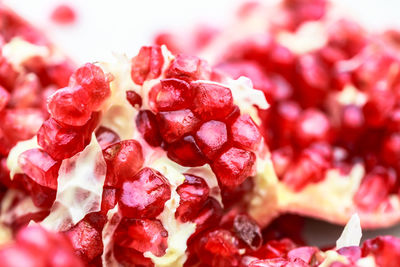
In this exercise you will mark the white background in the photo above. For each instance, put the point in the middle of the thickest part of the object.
(106, 26)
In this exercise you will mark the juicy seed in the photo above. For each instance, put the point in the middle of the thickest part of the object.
(142, 235)
(94, 81)
(70, 106)
(188, 68)
(233, 166)
(211, 137)
(175, 124)
(144, 195)
(146, 123)
(134, 99)
(174, 94)
(211, 101)
(193, 193)
(385, 249)
(218, 248)
(186, 152)
(60, 142)
(147, 64)
(245, 133)
(124, 159)
(40, 167)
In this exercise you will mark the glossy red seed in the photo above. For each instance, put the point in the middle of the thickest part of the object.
(211, 101)
(70, 106)
(390, 152)
(188, 68)
(144, 195)
(375, 188)
(278, 262)
(26, 91)
(312, 126)
(209, 216)
(93, 80)
(233, 166)
(211, 137)
(174, 94)
(146, 123)
(40, 167)
(218, 248)
(134, 99)
(86, 240)
(106, 137)
(175, 124)
(193, 193)
(124, 159)
(275, 249)
(147, 64)
(245, 133)
(142, 235)
(8, 75)
(287, 113)
(248, 231)
(4, 97)
(186, 152)
(378, 107)
(60, 142)
(282, 158)
(63, 14)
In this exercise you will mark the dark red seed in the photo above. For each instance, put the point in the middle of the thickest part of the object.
(186, 152)
(188, 68)
(134, 99)
(174, 94)
(175, 124)
(147, 125)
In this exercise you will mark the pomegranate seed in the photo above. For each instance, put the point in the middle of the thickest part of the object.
(193, 193)
(248, 231)
(93, 80)
(218, 248)
(147, 125)
(390, 152)
(142, 235)
(279, 262)
(134, 99)
(282, 158)
(175, 124)
(124, 159)
(374, 188)
(106, 137)
(40, 167)
(211, 101)
(275, 249)
(385, 249)
(4, 97)
(86, 240)
(63, 14)
(174, 94)
(26, 91)
(60, 142)
(70, 106)
(233, 166)
(144, 195)
(188, 68)
(147, 64)
(186, 152)
(288, 113)
(211, 137)
(312, 126)
(234, 197)
(8, 75)
(245, 133)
